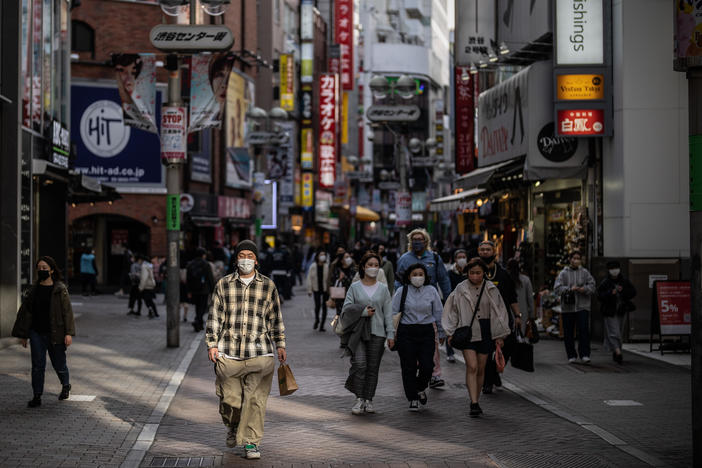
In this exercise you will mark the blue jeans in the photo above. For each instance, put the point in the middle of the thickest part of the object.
(579, 320)
(39, 345)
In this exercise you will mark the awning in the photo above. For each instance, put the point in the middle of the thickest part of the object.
(452, 202)
(81, 188)
(479, 176)
(206, 221)
(364, 214)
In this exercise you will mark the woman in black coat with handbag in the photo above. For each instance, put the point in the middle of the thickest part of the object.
(615, 293)
(46, 320)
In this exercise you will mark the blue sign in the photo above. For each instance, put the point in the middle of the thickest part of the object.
(107, 149)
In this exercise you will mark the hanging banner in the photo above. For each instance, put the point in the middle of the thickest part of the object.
(328, 117)
(307, 153)
(403, 208)
(465, 120)
(209, 77)
(136, 81)
(287, 82)
(174, 142)
(307, 190)
(688, 35)
(286, 191)
(343, 35)
(239, 168)
(475, 30)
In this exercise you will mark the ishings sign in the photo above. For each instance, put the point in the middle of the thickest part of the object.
(327, 130)
(343, 28)
(174, 126)
(581, 122)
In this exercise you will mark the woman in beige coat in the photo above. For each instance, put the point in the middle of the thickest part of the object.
(491, 323)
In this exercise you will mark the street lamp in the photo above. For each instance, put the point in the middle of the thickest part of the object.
(381, 87)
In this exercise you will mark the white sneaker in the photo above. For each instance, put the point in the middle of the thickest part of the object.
(359, 406)
(450, 359)
(414, 406)
(368, 406)
(586, 359)
(571, 360)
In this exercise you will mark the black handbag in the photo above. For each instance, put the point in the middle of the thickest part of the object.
(462, 336)
(523, 354)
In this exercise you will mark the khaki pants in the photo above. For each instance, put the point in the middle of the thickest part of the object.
(243, 388)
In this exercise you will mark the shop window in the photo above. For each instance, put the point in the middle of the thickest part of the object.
(82, 38)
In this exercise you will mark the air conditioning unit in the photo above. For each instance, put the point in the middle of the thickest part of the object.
(415, 9)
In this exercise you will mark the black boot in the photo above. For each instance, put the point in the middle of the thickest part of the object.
(65, 392)
(316, 324)
(34, 402)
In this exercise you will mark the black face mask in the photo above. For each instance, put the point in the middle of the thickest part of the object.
(43, 274)
(489, 259)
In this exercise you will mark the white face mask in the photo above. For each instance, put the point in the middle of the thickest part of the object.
(372, 272)
(246, 265)
(322, 258)
(348, 261)
(417, 281)
(615, 271)
(462, 262)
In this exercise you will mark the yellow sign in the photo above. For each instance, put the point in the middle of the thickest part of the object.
(287, 82)
(345, 119)
(579, 87)
(307, 189)
(307, 151)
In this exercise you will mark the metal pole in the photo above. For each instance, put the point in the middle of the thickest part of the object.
(694, 82)
(404, 188)
(173, 236)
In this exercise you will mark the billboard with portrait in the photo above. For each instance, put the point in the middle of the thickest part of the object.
(240, 97)
(107, 148)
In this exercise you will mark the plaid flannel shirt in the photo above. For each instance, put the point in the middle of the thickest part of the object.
(245, 321)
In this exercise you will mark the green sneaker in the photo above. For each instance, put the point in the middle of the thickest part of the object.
(252, 452)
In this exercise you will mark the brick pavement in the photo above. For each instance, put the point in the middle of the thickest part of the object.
(314, 426)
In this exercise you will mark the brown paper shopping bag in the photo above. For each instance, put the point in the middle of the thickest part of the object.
(286, 380)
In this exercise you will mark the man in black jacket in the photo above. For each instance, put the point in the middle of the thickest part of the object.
(200, 283)
(615, 293)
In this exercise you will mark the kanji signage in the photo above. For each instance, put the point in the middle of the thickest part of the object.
(287, 82)
(583, 87)
(328, 117)
(174, 127)
(60, 144)
(579, 122)
(382, 113)
(465, 121)
(307, 190)
(477, 32)
(343, 35)
(307, 150)
(173, 212)
(674, 310)
(191, 37)
(233, 207)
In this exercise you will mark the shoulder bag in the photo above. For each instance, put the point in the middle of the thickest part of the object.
(337, 291)
(398, 316)
(462, 336)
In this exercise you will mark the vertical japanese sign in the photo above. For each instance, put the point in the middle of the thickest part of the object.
(328, 116)
(209, 79)
(307, 153)
(307, 190)
(136, 82)
(307, 20)
(345, 118)
(174, 143)
(287, 82)
(343, 35)
(173, 212)
(465, 121)
(307, 62)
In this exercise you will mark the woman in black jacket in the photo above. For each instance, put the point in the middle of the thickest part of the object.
(615, 294)
(46, 320)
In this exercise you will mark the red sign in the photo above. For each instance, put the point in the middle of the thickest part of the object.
(581, 122)
(174, 131)
(465, 121)
(673, 301)
(233, 207)
(328, 117)
(343, 35)
(403, 209)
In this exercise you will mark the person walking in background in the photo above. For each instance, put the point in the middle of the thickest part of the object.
(508, 291)
(147, 285)
(387, 267)
(575, 285)
(183, 293)
(476, 301)
(615, 294)
(341, 275)
(134, 293)
(457, 274)
(200, 284)
(370, 302)
(525, 291)
(124, 280)
(318, 285)
(45, 318)
(418, 242)
(245, 304)
(421, 310)
(281, 267)
(88, 272)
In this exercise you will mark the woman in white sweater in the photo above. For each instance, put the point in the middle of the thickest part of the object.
(476, 300)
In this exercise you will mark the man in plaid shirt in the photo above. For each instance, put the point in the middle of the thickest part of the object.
(245, 331)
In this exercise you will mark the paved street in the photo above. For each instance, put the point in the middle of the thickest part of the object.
(554, 417)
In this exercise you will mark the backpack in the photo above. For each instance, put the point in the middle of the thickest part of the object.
(196, 278)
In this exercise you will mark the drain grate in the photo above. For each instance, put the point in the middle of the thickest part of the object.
(539, 460)
(174, 462)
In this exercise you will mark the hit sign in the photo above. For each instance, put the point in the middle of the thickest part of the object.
(328, 116)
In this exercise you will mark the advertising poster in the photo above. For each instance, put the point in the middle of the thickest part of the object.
(174, 143)
(269, 213)
(107, 148)
(688, 31)
(136, 82)
(199, 149)
(209, 77)
(328, 117)
(465, 121)
(287, 82)
(239, 168)
(239, 98)
(674, 310)
(403, 208)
